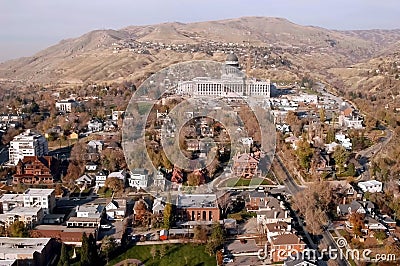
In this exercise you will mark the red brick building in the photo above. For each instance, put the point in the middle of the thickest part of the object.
(285, 245)
(35, 170)
(245, 165)
(198, 207)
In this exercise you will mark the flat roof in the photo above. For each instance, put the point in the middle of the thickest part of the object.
(12, 197)
(22, 245)
(197, 201)
(39, 191)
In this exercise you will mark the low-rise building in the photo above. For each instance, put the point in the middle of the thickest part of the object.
(116, 209)
(86, 180)
(10, 201)
(35, 170)
(282, 246)
(30, 216)
(29, 251)
(88, 215)
(356, 206)
(139, 178)
(66, 105)
(100, 178)
(44, 198)
(245, 165)
(371, 186)
(197, 207)
(95, 125)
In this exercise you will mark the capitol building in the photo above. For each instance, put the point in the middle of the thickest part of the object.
(232, 83)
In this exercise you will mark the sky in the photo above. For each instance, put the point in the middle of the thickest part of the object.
(28, 26)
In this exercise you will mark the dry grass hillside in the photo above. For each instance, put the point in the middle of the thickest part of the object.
(92, 57)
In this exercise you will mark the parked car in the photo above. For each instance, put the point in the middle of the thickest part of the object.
(105, 226)
(227, 260)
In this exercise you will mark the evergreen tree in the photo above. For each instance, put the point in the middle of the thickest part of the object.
(85, 259)
(64, 260)
(93, 254)
(216, 239)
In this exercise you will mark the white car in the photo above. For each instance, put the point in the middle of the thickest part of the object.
(105, 226)
(227, 260)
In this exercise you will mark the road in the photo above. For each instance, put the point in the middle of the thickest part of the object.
(294, 188)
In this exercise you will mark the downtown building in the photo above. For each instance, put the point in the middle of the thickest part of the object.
(28, 143)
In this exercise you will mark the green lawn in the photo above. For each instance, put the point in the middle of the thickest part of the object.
(243, 182)
(176, 254)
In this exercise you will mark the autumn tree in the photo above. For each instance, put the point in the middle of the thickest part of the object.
(357, 221)
(200, 234)
(18, 229)
(114, 183)
(193, 179)
(168, 216)
(108, 246)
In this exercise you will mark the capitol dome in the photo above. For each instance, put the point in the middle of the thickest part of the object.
(232, 60)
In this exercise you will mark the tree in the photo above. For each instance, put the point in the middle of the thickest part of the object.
(114, 183)
(322, 115)
(93, 254)
(18, 229)
(193, 179)
(200, 234)
(216, 239)
(357, 221)
(225, 203)
(108, 246)
(351, 169)
(168, 216)
(64, 260)
(85, 259)
(220, 257)
(341, 156)
(305, 153)
(330, 135)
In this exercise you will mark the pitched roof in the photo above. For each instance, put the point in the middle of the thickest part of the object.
(286, 239)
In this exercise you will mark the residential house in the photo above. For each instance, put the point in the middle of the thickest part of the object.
(355, 206)
(95, 125)
(86, 180)
(273, 212)
(116, 209)
(87, 215)
(372, 224)
(257, 199)
(139, 178)
(95, 146)
(35, 170)
(66, 105)
(159, 181)
(121, 175)
(283, 246)
(109, 126)
(91, 166)
(245, 165)
(158, 206)
(100, 178)
(371, 186)
(44, 198)
(115, 115)
(389, 222)
(300, 260)
(197, 207)
(278, 228)
(243, 247)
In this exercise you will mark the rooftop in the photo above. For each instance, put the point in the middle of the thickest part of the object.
(39, 191)
(197, 201)
(18, 245)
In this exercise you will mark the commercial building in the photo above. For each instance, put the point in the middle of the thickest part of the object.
(44, 198)
(28, 143)
(198, 207)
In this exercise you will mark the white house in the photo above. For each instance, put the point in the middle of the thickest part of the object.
(95, 125)
(371, 186)
(95, 145)
(159, 181)
(116, 209)
(139, 178)
(85, 180)
(122, 175)
(100, 178)
(91, 166)
(66, 105)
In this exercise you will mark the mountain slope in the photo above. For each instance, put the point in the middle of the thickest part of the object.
(107, 55)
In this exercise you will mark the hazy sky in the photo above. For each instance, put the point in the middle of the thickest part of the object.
(27, 26)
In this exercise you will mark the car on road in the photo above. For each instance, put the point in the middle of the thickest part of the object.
(227, 260)
(105, 226)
